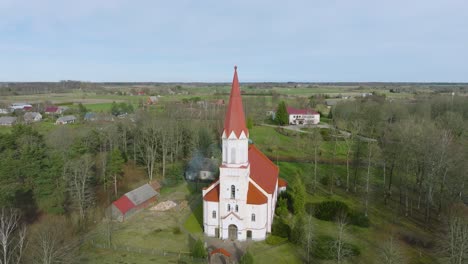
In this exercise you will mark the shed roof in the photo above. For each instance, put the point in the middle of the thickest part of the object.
(7, 119)
(66, 118)
(123, 204)
(141, 194)
(51, 109)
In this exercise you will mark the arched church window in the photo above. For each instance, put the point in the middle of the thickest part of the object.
(237, 208)
(253, 217)
(214, 214)
(229, 207)
(233, 192)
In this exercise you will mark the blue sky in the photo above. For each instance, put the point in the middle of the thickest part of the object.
(201, 40)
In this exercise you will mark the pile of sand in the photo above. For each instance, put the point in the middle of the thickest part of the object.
(164, 206)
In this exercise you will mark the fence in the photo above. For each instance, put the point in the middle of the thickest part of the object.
(181, 255)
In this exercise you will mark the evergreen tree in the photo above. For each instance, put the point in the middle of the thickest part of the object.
(282, 116)
(114, 168)
(298, 194)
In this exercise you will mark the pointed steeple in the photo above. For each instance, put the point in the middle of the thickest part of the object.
(235, 119)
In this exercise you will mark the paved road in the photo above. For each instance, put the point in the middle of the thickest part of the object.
(298, 128)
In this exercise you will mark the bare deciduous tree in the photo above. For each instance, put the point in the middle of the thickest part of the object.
(391, 253)
(51, 242)
(78, 174)
(12, 236)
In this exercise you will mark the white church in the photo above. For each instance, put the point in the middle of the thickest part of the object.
(240, 205)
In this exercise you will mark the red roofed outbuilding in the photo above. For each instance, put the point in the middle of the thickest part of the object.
(133, 201)
(302, 116)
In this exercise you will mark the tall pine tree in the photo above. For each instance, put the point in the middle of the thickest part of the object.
(281, 117)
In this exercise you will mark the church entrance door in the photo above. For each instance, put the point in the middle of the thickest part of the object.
(232, 232)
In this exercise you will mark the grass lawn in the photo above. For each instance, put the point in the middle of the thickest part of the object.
(194, 223)
(5, 129)
(264, 253)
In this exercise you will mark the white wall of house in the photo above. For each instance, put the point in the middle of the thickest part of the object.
(313, 119)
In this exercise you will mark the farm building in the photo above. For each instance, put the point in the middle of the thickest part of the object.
(30, 117)
(302, 116)
(55, 110)
(66, 120)
(20, 106)
(132, 202)
(7, 120)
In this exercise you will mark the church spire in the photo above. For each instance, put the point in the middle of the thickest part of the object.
(235, 119)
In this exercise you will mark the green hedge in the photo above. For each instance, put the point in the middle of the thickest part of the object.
(275, 240)
(330, 210)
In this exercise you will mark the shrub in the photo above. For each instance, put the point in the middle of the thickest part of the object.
(324, 180)
(329, 210)
(247, 258)
(358, 219)
(280, 228)
(275, 240)
(198, 249)
(176, 230)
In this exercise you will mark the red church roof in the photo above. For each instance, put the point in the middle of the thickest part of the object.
(282, 183)
(124, 204)
(255, 196)
(235, 119)
(213, 195)
(295, 111)
(262, 170)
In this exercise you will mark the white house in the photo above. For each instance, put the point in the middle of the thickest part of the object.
(302, 116)
(30, 117)
(240, 205)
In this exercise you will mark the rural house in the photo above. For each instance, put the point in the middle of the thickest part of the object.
(302, 116)
(30, 117)
(240, 205)
(152, 100)
(70, 119)
(132, 202)
(7, 120)
(55, 110)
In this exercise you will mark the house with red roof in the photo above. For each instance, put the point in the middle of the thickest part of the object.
(302, 116)
(240, 205)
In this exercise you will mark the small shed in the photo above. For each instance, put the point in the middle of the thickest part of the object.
(133, 202)
(90, 116)
(7, 120)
